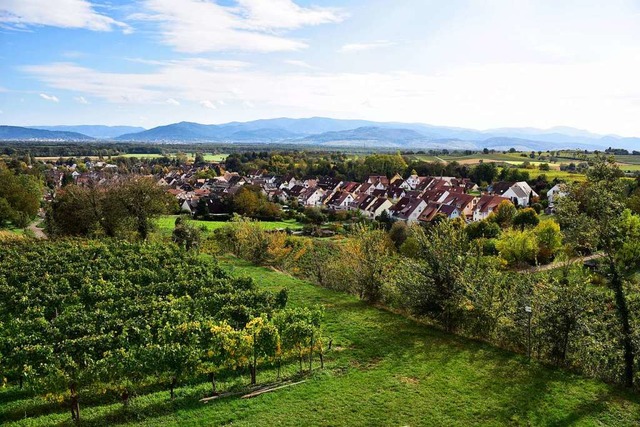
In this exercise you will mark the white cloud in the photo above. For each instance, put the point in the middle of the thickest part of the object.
(205, 26)
(51, 98)
(297, 63)
(480, 95)
(81, 100)
(208, 104)
(172, 101)
(273, 14)
(61, 13)
(357, 47)
(213, 64)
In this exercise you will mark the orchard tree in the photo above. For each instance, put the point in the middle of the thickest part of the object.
(503, 214)
(593, 214)
(435, 282)
(524, 218)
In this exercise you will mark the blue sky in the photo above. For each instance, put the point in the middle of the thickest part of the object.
(480, 64)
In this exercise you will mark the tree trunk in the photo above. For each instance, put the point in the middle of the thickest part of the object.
(623, 314)
(212, 378)
(20, 380)
(300, 359)
(75, 405)
(311, 354)
(252, 370)
(279, 366)
(174, 382)
(125, 397)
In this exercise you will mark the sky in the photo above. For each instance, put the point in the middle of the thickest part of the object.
(479, 64)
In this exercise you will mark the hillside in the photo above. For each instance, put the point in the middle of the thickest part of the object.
(383, 369)
(382, 135)
(339, 132)
(10, 133)
(94, 131)
(322, 130)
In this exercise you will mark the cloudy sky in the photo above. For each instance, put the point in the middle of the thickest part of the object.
(471, 63)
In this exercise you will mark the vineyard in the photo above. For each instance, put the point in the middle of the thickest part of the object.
(113, 317)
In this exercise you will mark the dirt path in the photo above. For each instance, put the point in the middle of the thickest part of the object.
(37, 231)
(555, 265)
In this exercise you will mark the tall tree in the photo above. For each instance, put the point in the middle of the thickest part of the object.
(599, 204)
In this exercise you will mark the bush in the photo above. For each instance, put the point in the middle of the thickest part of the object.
(314, 216)
(518, 247)
(526, 217)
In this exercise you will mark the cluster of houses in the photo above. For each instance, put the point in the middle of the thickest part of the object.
(417, 198)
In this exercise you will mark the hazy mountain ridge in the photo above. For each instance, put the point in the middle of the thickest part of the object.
(339, 132)
(16, 133)
(94, 131)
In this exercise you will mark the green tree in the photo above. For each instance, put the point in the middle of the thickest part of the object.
(503, 214)
(524, 218)
(549, 238)
(518, 247)
(596, 209)
(187, 235)
(434, 282)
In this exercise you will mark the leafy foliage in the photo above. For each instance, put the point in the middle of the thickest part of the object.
(78, 313)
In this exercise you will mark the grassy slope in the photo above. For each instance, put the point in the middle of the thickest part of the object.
(388, 370)
(166, 224)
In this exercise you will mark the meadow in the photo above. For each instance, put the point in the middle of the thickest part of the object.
(383, 369)
(166, 224)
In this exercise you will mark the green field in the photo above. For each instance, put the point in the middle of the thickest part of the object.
(166, 224)
(215, 157)
(383, 369)
(553, 174)
(145, 156)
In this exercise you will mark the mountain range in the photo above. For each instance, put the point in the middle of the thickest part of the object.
(334, 132)
(94, 131)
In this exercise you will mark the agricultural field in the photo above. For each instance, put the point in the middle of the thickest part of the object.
(383, 369)
(215, 157)
(555, 174)
(166, 224)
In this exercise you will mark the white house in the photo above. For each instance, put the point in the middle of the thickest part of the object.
(520, 193)
(558, 190)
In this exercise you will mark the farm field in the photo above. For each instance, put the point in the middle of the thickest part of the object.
(383, 369)
(166, 224)
(215, 157)
(554, 173)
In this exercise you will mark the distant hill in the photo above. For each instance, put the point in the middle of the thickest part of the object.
(21, 133)
(340, 132)
(94, 131)
(384, 135)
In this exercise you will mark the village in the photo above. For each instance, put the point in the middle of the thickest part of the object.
(415, 199)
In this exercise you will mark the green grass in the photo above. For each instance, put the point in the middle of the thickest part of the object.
(166, 224)
(144, 156)
(215, 157)
(552, 174)
(384, 369)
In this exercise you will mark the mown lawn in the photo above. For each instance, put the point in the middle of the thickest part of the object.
(166, 224)
(383, 370)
